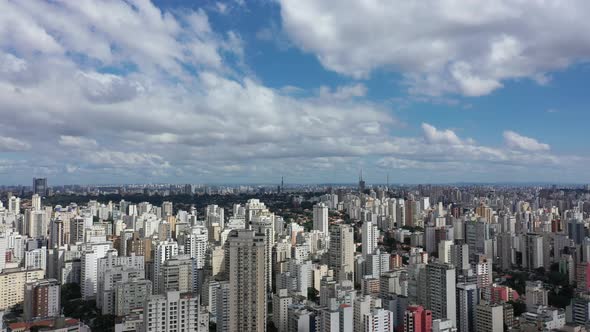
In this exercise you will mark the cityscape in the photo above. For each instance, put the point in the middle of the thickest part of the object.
(294, 166)
(294, 258)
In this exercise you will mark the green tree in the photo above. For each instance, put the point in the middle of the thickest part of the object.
(70, 291)
(312, 294)
(104, 323)
(519, 307)
(562, 297)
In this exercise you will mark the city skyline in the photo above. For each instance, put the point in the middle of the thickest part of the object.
(294, 165)
(240, 91)
(423, 258)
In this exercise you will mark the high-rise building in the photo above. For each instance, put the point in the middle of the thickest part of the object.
(505, 251)
(320, 218)
(370, 236)
(576, 230)
(301, 318)
(378, 320)
(467, 299)
(580, 310)
(416, 319)
(42, 299)
(441, 298)
(221, 306)
(196, 244)
(173, 311)
(483, 271)
(36, 202)
(214, 215)
(14, 205)
(264, 224)
(12, 285)
(139, 246)
(40, 186)
(400, 213)
(91, 254)
(361, 182)
(36, 224)
(444, 251)
(247, 281)
(460, 256)
(112, 270)
(489, 318)
(57, 234)
(77, 227)
(3, 249)
(532, 251)
(131, 295)
(583, 277)
(163, 251)
(376, 264)
(336, 318)
(341, 253)
(179, 273)
(410, 210)
(167, 209)
(536, 295)
(394, 282)
(443, 325)
(36, 259)
(280, 309)
(362, 306)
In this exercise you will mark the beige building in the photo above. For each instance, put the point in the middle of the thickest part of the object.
(179, 274)
(217, 261)
(280, 306)
(341, 254)
(12, 285)
(247, 281)
(489, 318)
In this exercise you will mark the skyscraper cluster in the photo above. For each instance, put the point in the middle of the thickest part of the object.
(420, 259)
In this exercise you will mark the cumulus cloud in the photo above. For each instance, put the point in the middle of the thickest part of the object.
(344, 92)
(178, 107)
(221, 7)
(9, 64)
(13, 144)
(275, 34)
(108, 88)
(119, 158)
(77, 142)
(435, 136)
(442, 46)
(110, 32)
(516, 141)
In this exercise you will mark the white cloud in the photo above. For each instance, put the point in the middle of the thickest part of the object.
(9, 64)
(344, 92)
(108, 88)
(442, 46)
(72, 168)
(155, 119)
(400, 163)
(221, 7)
(123, 159)
(13, 144)
(112, 32)
(435, 136)
(273, 33)
(77, 142)
(516, 141)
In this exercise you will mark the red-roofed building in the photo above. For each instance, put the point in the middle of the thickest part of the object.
(51, 325)
(500, 294)
(416, 319)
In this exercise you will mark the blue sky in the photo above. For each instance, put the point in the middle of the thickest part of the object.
(245, 91)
